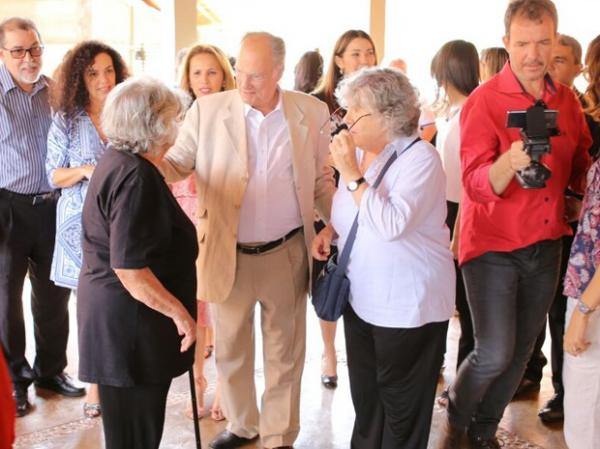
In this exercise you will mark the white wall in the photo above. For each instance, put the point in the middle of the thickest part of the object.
(303, 24)
(416, 30)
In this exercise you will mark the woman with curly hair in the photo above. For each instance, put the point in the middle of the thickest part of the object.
(75, 142)
(205, 70)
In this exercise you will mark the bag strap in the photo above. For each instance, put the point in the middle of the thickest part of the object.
(345, 255)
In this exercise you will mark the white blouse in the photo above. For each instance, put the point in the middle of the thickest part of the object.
(448, 145)
(401, 270)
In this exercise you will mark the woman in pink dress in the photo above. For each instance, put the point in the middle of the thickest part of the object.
(205, 70)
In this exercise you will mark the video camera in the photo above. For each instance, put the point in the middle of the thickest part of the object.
(537, 125)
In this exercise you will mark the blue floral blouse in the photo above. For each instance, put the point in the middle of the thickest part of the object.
(585, 250)
(72, 142)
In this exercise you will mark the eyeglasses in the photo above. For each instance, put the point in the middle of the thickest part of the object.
(336, 122)
(19, 53)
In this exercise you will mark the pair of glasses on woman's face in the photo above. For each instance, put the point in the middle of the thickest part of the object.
(337, 123)
(19, 53)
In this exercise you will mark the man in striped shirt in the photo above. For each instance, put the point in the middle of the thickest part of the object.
(27, 219)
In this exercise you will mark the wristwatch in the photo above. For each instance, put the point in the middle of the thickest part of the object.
(353, 185)
(584, 308)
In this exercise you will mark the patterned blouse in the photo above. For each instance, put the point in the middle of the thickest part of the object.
(72, 142)
(585, 251)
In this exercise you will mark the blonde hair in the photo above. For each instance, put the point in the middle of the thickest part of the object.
(228, 78)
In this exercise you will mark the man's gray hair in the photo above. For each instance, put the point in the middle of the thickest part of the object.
(568, 41)
(277, 45)
(140, 115)
(17, 23)
(383, 91)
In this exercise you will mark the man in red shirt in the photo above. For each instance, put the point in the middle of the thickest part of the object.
(565, 67)
(510, 237)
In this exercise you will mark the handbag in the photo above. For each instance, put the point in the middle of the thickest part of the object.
(331, 290)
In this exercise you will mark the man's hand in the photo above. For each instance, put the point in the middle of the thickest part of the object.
(518, 158)
(503, 170)
(321, 244)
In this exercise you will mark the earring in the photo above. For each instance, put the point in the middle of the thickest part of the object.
(341, 72)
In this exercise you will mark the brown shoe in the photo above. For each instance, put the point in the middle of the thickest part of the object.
(451, 437)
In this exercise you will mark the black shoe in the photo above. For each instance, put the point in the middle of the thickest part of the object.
(450, 437)
(553, 410)
(329, 381)
(484, 443)
(61, 384)
(23, 407)
(525, 388)
(229, 440)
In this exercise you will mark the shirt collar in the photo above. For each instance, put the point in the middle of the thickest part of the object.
(250, 110)
(397, 145)
(509, 83)
(8, 83)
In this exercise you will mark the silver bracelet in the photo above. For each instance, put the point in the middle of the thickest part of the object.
(584, 308)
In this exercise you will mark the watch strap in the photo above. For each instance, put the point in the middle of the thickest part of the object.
(356, 184)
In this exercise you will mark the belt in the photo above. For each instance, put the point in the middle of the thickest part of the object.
(31, 199)
(256, 250)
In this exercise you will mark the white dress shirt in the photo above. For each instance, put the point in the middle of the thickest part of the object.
(401, 270)
(270, 207)
(448, 145)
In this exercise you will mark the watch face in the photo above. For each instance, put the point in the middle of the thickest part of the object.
(352, 186)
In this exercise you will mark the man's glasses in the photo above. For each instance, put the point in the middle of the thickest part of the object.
(19, 53)
(336, 122)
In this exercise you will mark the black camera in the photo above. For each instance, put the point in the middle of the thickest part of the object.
(537, 125)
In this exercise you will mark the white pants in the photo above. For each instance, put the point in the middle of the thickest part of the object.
(581, 377)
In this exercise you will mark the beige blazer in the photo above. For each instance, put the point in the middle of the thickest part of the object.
(212, 144)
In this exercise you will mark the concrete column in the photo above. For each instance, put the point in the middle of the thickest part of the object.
(377, 26)
(185, 23)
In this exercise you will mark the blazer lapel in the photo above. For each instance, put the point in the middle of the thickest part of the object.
(235, 124)
(298, 129)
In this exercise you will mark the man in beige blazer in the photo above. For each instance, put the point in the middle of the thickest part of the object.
(260, 165)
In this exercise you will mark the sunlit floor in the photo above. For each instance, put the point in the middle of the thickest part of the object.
(327, 416)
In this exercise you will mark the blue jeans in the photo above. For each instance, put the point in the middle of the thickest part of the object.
(509, 295)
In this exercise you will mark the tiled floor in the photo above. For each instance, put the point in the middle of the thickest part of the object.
(327, 416)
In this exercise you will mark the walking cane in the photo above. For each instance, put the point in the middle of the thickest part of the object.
(195, 409)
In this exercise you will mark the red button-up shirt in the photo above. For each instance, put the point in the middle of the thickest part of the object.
(518, 217)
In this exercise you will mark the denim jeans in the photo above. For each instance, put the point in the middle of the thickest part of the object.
(509, 294)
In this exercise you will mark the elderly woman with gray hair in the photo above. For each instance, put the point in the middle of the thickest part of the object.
(400, 270)
(137, 287)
